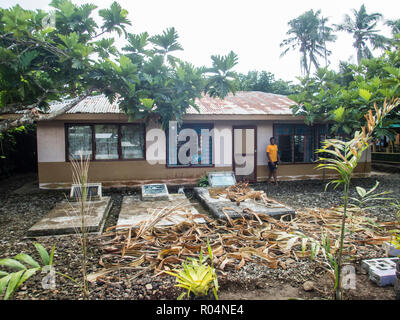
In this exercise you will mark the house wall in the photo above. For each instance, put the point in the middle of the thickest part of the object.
(55, 172)
(51, 142)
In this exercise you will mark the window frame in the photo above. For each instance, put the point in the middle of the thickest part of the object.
(292, 135)
(92, 125)
(207, 125)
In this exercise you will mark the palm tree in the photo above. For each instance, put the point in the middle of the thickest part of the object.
(308, 33)
(394, 26)
(362, 27)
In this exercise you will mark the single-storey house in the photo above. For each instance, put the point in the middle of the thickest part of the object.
(230, 134)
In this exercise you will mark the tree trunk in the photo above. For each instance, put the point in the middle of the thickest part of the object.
(338, 293)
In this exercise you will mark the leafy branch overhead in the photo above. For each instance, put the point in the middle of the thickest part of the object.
(341, 98)
(78, 57)
(221, 80)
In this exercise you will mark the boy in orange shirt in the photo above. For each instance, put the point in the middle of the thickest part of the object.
(273, 160)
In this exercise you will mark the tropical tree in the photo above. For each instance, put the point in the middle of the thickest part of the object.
(221, 79)
(363, 28)
(166, 85)
(394, 26)
(263, 81)
(341, 98)
(395, 29)
(41, 63)
(322, 98)
(309, 34)
(76, 57)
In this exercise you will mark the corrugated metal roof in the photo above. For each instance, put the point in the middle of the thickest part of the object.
(93, 104)
(243, 102)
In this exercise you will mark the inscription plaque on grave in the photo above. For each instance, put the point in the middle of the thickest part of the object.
(221, 179)
(93, 192)
(154, 192)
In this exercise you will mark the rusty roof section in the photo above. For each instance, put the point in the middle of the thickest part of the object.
(245, 102)
(242, 103)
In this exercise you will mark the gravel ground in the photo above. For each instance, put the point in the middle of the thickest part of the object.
(19, 211)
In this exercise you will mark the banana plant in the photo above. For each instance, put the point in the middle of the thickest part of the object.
(25, 267)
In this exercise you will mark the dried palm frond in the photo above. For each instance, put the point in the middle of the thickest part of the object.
(235, 242)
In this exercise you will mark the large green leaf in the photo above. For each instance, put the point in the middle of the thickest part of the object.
(43, 253)
(27, 259)
(148, 103)
(13, 283)
(27, 57)
(12, 263)
(365, 94)
(3, 283)
(52, 254)
(27, 274)
(361, 192)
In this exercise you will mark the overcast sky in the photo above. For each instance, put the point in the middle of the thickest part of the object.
(253, 29)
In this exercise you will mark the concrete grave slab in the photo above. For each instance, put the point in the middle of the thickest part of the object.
(64, 220)
(133, 211)
(215, 206)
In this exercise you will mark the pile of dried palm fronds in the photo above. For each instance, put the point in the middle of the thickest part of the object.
(266, 241)
(240, 192)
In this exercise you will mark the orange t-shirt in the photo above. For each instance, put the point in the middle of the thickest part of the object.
(272, 150)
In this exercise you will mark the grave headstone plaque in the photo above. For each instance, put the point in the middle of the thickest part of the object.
(152, 192)
(221, 179)
(93, 192)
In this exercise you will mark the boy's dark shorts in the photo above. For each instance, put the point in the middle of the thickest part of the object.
(272, 166)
